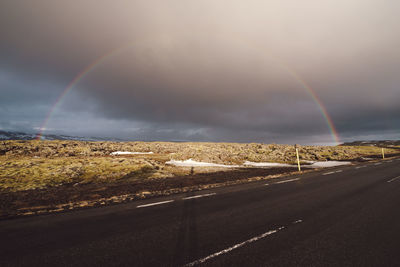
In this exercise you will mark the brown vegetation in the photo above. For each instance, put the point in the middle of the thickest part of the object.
(44, 171)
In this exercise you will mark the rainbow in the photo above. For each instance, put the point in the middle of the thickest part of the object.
(89, 68)
(332, 129)
(82, 74)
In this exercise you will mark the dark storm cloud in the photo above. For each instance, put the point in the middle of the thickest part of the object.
(207, 70)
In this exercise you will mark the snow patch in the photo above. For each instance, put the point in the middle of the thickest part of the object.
(193, 163)
(313, 164)
(325, 164)
(267, 164)
(129, 153)
(366, 158)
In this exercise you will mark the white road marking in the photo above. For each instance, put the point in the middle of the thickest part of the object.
(389, 161)
(378, 163)
(199, 196)
(251, 240)
(339, 171)
(327, 173)
(154, 204)
(266, 184)
(287, 181)
(234, 247)
(395, 178)
(359, 167)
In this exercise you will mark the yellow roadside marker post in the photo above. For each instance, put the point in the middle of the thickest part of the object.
(383, 153)
(298, 160)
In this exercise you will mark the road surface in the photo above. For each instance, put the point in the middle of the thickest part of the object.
(344, 216)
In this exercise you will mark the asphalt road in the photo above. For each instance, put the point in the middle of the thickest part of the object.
(345, 216)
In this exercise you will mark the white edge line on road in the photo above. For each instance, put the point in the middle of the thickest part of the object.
(287, 181)
(199, 196)
(251, 240)
(154, 204)
(395, 178)
(196, 262)
(327, 173)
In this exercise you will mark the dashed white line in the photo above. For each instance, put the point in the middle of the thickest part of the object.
(378, 163)
(327, 173)
(251, 240)
(266, 184)
(154, 204)
(389, 161)
(359, 167)
(395, 178)
(233, 247)
(338, 171)
(199, 196)
(287, 181)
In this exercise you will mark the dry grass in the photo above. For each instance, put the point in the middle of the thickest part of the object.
(25, 173)
(28, 165)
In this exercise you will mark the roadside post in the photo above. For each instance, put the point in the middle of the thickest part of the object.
(383, 153)
(297, 156)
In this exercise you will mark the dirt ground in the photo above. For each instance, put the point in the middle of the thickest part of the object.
(13, 203)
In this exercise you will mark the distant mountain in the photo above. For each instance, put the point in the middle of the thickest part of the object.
(10, 135)
(380, 143)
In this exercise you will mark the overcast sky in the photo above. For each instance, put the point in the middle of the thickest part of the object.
(205, 70)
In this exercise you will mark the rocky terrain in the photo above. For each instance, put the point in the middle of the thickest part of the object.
(228, 153)
(48, 173)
